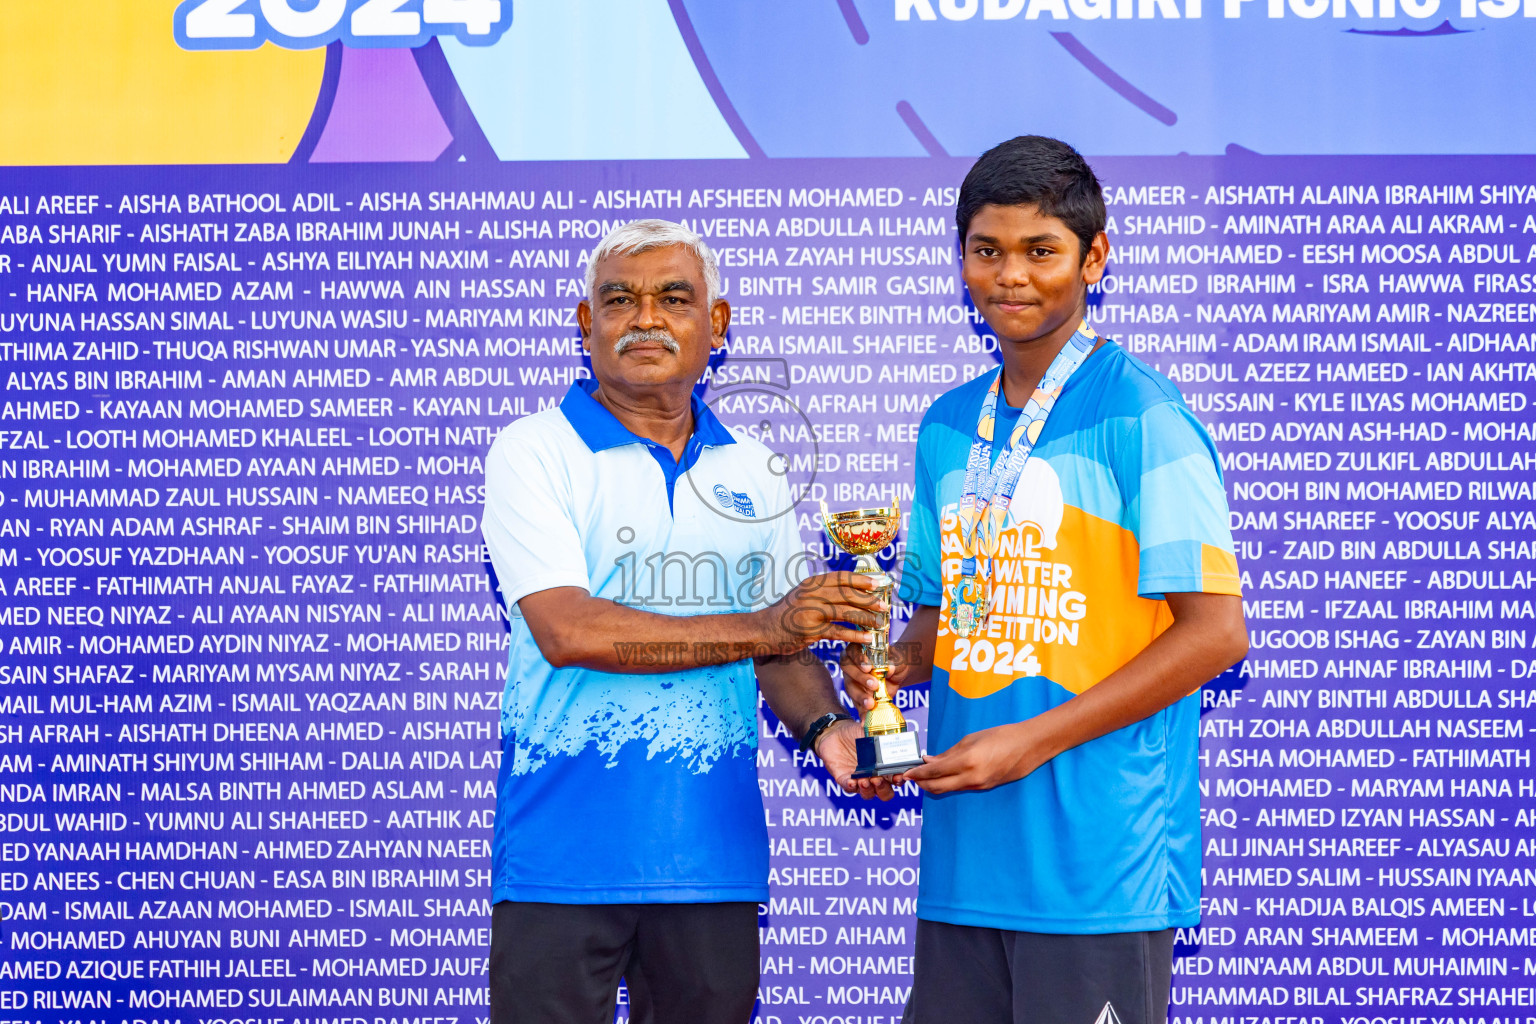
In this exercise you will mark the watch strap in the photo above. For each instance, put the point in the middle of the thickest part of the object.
(820, 726)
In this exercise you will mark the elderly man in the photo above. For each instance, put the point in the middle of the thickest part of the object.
(630, 837)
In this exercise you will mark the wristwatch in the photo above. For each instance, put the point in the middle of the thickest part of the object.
(821, 725)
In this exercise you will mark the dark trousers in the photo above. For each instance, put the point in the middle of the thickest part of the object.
(683, 963)
(968, 975)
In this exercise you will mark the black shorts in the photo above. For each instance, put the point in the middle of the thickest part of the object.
(970, 975)
(682, 963)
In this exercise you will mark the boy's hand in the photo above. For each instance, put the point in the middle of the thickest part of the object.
(860, 686)
(836, 749)
(982, 760)
(911, 659)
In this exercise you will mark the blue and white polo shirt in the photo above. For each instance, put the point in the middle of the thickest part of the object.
(618, 787)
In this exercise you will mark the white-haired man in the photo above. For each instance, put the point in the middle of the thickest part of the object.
(630, 840)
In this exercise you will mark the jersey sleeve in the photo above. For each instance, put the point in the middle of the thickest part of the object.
(1178, 507)
(920, 572)
(528, 524)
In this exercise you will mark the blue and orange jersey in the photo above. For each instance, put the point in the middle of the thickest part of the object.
(1120, 503)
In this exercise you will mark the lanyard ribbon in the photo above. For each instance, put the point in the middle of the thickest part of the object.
(989, 487)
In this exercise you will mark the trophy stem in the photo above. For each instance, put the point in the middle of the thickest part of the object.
(884, 718)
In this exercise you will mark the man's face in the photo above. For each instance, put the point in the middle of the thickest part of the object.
(649, 322)
(1024, 272)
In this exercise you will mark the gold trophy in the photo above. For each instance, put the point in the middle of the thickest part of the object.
(889, 744)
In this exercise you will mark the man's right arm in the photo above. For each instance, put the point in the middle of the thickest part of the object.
(573, 628)
(530, 528)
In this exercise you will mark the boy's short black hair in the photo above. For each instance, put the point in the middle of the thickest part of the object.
(1033, 170)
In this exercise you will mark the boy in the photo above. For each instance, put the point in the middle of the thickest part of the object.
(1070, 556)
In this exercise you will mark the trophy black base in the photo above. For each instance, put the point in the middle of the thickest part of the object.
(887, 755)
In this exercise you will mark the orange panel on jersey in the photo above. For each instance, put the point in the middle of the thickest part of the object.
(1219, 571)
(1069, 613)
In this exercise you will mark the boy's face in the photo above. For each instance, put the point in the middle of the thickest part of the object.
(1024, 272)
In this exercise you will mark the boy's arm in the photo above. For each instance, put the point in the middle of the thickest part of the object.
(1208, 636)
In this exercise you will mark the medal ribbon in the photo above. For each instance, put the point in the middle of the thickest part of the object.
(989, 487)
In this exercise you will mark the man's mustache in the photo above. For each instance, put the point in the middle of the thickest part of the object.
(656, 335)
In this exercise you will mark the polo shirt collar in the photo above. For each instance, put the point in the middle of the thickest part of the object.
(600, 429)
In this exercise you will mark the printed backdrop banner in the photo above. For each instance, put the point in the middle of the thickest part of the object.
(273, 275)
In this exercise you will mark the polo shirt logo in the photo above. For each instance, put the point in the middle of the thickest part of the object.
(735, 501)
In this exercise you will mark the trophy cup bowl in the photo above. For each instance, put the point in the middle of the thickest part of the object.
(862, 532)
(888, 745)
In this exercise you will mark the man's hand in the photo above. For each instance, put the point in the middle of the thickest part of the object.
(982, 760)
(814, 609)
(836, 749)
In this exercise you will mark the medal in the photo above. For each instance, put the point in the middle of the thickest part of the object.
(968, 605)
(989, 486)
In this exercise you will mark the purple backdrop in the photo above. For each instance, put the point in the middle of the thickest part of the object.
(252, 657)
